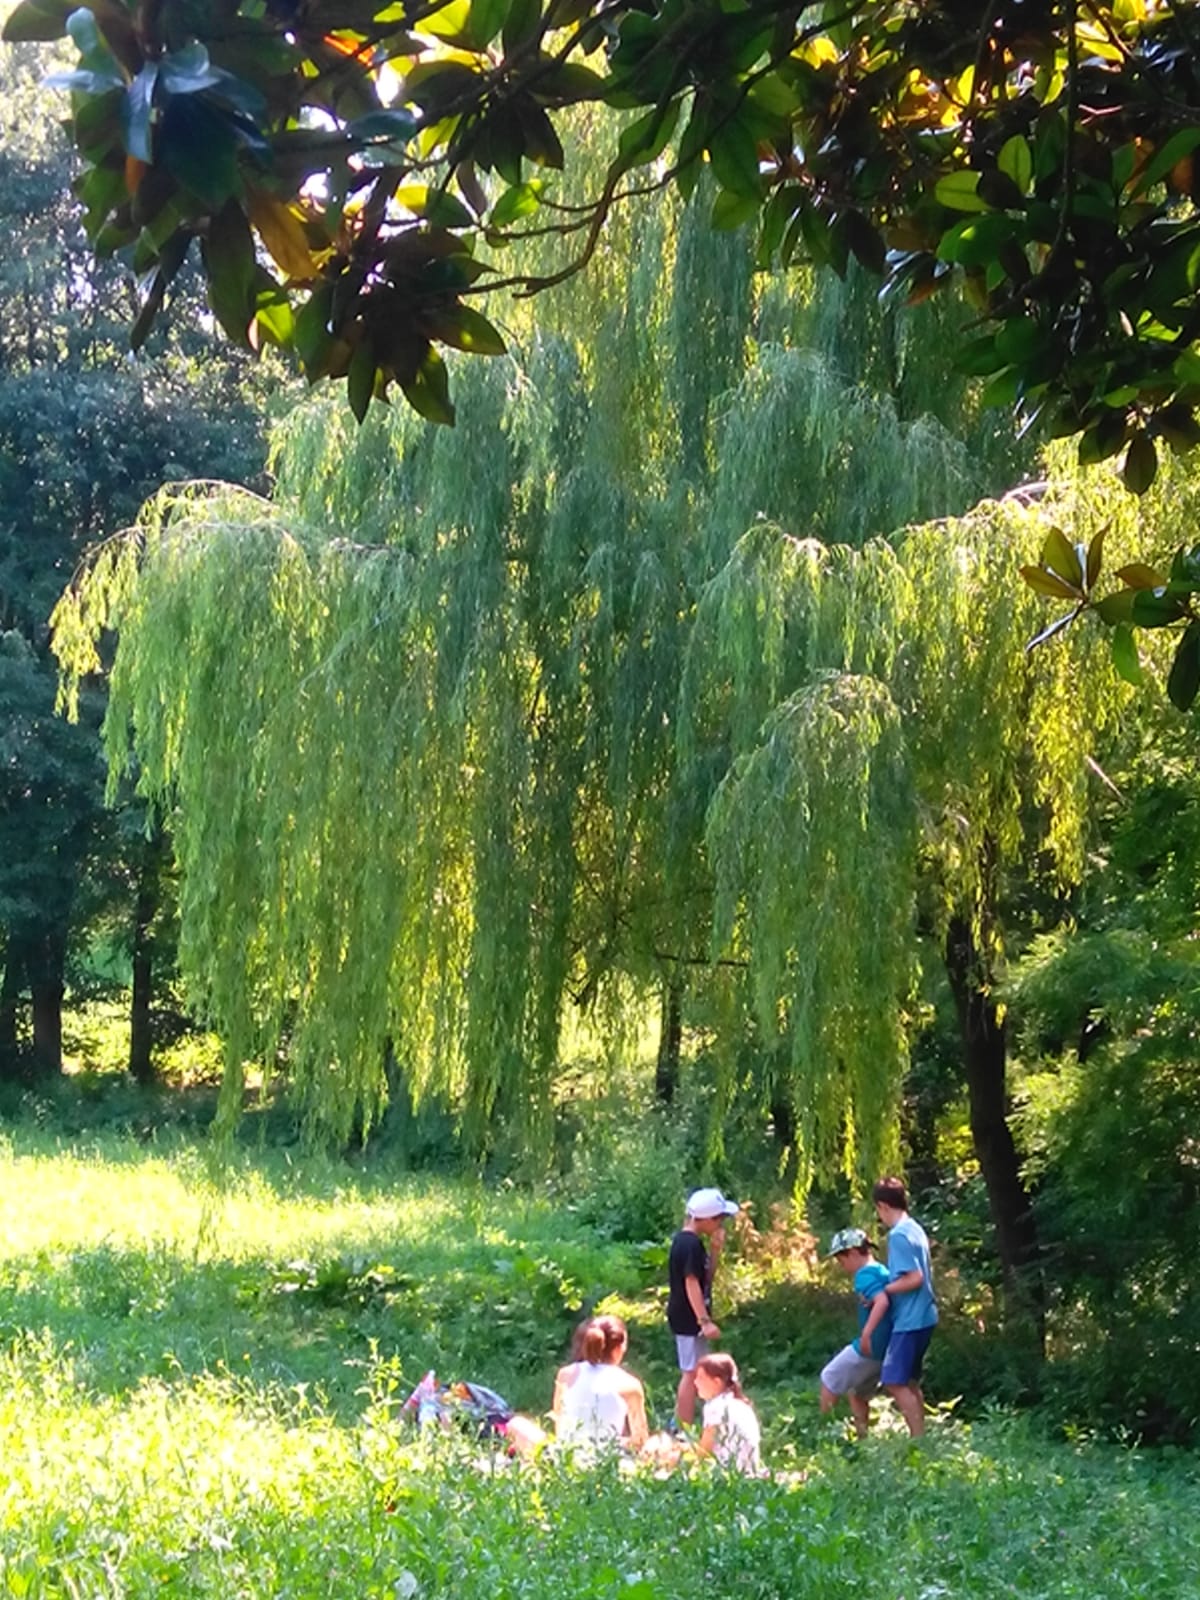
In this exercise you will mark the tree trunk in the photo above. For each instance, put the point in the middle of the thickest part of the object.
(985, 1060)
(10, 992)
(46, 962)
(670, 1040)
(141, 1063)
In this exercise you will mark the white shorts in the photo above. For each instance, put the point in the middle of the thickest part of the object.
(850, 1371)
(689, 1348)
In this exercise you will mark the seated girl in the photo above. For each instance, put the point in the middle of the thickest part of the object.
(730, 1430)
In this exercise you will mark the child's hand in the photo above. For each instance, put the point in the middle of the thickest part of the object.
(709, 1329)
(864, 1343)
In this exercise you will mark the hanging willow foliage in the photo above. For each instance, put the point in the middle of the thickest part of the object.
(466, 728)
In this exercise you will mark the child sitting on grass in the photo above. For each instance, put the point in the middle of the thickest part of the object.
(730, 1432)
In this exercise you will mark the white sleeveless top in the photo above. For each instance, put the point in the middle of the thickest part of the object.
(593, 1407)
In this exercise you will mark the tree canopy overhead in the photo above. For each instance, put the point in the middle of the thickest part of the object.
(352, 170)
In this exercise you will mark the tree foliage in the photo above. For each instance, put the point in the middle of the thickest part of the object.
(352, 172)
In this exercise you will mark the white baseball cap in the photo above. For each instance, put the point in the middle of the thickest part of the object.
(710, 1203)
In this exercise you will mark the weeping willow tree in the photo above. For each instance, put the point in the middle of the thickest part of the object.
(464, 729)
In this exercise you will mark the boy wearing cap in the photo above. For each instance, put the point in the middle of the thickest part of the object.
(690, 1272)
(854, 1372)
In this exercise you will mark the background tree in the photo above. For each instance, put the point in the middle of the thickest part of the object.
(84, 438)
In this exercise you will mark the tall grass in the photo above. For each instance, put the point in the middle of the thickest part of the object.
(200, 1387)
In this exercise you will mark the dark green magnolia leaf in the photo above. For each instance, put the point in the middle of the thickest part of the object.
(1116, 607)
(464, 328)
(313, 337)
(199, 147)
(865, 242)
(1141, 463)
(273, 317)
(485, 19)
(229, 266)
(1095, 555)
(1103, 438)
(733, 150)
(521, 24)
(360, 380)
(1125, 654)
(1185, 568)
(1060, 555)
(978, 240)
(646, 138)
(1178, 426)
(35, 20)
(733, 210)
(429, 391)
(999, 190)
(1183, 680)
(979, 358)
(1049, 583)
(1153, 608)
(541, 142)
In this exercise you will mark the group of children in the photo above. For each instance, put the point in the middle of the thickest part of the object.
(897, 1313)
(598, 1403)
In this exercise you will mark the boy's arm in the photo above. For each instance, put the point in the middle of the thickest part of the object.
(906, 1283)
(879, 1308)
(695, 1295)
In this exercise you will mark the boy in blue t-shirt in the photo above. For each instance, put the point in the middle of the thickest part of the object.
(908, 1295)
(854, 1372)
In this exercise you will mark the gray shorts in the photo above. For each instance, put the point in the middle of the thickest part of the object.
(689, 1348)
(850, 1371)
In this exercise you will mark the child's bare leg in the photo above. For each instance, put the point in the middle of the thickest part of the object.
(685, 1398)
(828, 1399)
(524, 1435)
(860, 1408)
(910, 1403)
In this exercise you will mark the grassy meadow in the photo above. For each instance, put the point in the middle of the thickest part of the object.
(200, 1392)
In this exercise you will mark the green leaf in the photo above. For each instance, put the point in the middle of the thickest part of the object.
(1116, 607)
(1049, 583)
(464, 328)
(1155, 609)
(646, 138)
(1141, 463)
(516, 202)
(522, 22)
(1095, 555)
(733, 151)
(1183, 680)
(959, 191)
(1103, 438)
(35, 20)
(312, 337)
(360, 379)
(1060, 555)
(198, 146)
(429, 391)
(229, 266)
(1125, 656)
(1016, 162)
(484, 21)
(733, 210)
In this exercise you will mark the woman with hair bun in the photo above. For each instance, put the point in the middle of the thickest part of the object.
(596, 1402)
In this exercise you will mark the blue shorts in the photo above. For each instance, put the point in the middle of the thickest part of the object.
(905, 1356)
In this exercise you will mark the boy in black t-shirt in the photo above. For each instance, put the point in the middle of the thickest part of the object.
(690, 1272)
